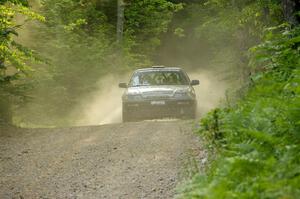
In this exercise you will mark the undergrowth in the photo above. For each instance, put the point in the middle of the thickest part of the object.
(255, 143)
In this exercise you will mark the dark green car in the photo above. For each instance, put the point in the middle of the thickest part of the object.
(159, 92)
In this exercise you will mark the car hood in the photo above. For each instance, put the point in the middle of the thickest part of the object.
(157, 91)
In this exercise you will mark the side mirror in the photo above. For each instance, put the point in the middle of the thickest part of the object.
(195, 82)
(123, 85)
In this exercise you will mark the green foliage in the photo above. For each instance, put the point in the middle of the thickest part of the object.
(179, 32)
(76, 40)
(258, 140)
(217, 34)
(13, 56)
(147, 20)
(15, 59)
(224, 21)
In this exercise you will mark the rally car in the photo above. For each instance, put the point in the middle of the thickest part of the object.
(159, 92)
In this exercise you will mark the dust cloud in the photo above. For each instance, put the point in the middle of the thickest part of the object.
(104, 106)
(211, 91)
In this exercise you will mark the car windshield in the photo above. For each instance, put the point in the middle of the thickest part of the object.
(155, 78)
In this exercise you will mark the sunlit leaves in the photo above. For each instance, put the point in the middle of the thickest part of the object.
(75, 24)
(14, 55)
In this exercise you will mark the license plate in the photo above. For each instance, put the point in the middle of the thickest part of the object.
(158, 102)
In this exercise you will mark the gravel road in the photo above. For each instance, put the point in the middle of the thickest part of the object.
(131, 160)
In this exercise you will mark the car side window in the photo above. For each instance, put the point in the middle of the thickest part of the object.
(134, 80)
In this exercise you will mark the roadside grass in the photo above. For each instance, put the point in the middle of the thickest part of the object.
(254, 144)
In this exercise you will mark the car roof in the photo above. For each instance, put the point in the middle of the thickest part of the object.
(159, 68)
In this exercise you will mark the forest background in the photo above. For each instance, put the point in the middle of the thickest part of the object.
(54, 52)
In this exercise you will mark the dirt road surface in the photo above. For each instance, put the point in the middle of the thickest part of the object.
(131, 160)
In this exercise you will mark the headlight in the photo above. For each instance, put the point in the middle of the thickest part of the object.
(133, 97)
(183, 93)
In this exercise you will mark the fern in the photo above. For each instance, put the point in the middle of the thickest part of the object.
(258, 152)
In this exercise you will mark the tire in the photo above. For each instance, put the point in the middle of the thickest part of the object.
(125, 117)
(191, 115)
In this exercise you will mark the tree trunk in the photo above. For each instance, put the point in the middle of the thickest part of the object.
(120, 23)
(290, 7)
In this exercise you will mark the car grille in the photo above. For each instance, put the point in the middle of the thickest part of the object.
(158, 94)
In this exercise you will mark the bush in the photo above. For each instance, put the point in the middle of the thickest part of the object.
(258, 139)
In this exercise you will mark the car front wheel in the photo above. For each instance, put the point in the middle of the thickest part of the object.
(126, 116)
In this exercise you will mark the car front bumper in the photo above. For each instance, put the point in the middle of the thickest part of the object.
(156, 109)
